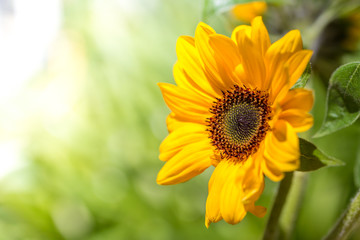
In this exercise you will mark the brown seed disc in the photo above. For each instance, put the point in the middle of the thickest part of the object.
(239, 122)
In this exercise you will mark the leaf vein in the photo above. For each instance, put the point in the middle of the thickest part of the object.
(351, 78)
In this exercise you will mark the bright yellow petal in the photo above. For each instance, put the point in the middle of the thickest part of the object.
(251, 179)
(233, 189)
(239, 31)
(258, 211)
(261, 40)
(247, 11)
(279, 84)
(187, 134)
(214, 72)
(191, 63)
(192, 160)
(216, 183)
(237, 36)
(271, 171)
(183, 80)
(226, 55)
(202, 34)
(260, 35)
(231, 206)
(252, 62)
(267, 167)
(297, 64)
(300, 120)
(241, 75)
(172, 123)
(225, 49)
(281, 152)
(185, 103)
(285, 46)
(298, 98)
(276, 59)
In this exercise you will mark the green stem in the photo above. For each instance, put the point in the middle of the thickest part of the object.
(204, 14)
(349, 220)
(293, 204)
(271, 231)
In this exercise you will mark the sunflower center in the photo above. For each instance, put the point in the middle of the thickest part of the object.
(239, 122)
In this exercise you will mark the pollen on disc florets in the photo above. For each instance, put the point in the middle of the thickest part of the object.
(239, 122)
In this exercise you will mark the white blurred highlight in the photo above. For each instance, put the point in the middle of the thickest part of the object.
(27, 31)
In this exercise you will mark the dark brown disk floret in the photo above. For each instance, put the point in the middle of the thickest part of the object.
(239, 122)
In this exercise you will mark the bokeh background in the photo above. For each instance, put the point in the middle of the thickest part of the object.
(81, 118)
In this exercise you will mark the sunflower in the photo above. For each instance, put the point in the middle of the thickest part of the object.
(233, 108)
(247, 11)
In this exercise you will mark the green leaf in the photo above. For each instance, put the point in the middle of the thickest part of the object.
(312, 158)
(343, 99)
(302, 81)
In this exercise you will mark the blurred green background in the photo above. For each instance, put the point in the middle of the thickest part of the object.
(79, 138)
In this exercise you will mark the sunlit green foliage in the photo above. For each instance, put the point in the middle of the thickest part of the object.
(343, 101)
(305, 77)
(311, 158)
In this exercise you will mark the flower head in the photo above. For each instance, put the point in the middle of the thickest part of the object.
(233, 109)
(248, 11)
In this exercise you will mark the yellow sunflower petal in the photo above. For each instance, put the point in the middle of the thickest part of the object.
(276, 59)
(208, 221)
(241, 75)
(300, 120)
(216, 183)
(260, 38)
(215, 72)
(288, 44)
(188, 57)
(258, 211)
(252, 62)
(172, 123)
(297, 64)
(227, 57)
(279, 84)
(183, 80)
(239, 31)
(192, 160)
(251, 179)
(202, 34)
(260, 35)
(191, 63)
(185, 103)
(271, 171)
(231, 206)
(187, 134)
(279, 94)
(299, 98)
(281, 152)
(247, 11)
